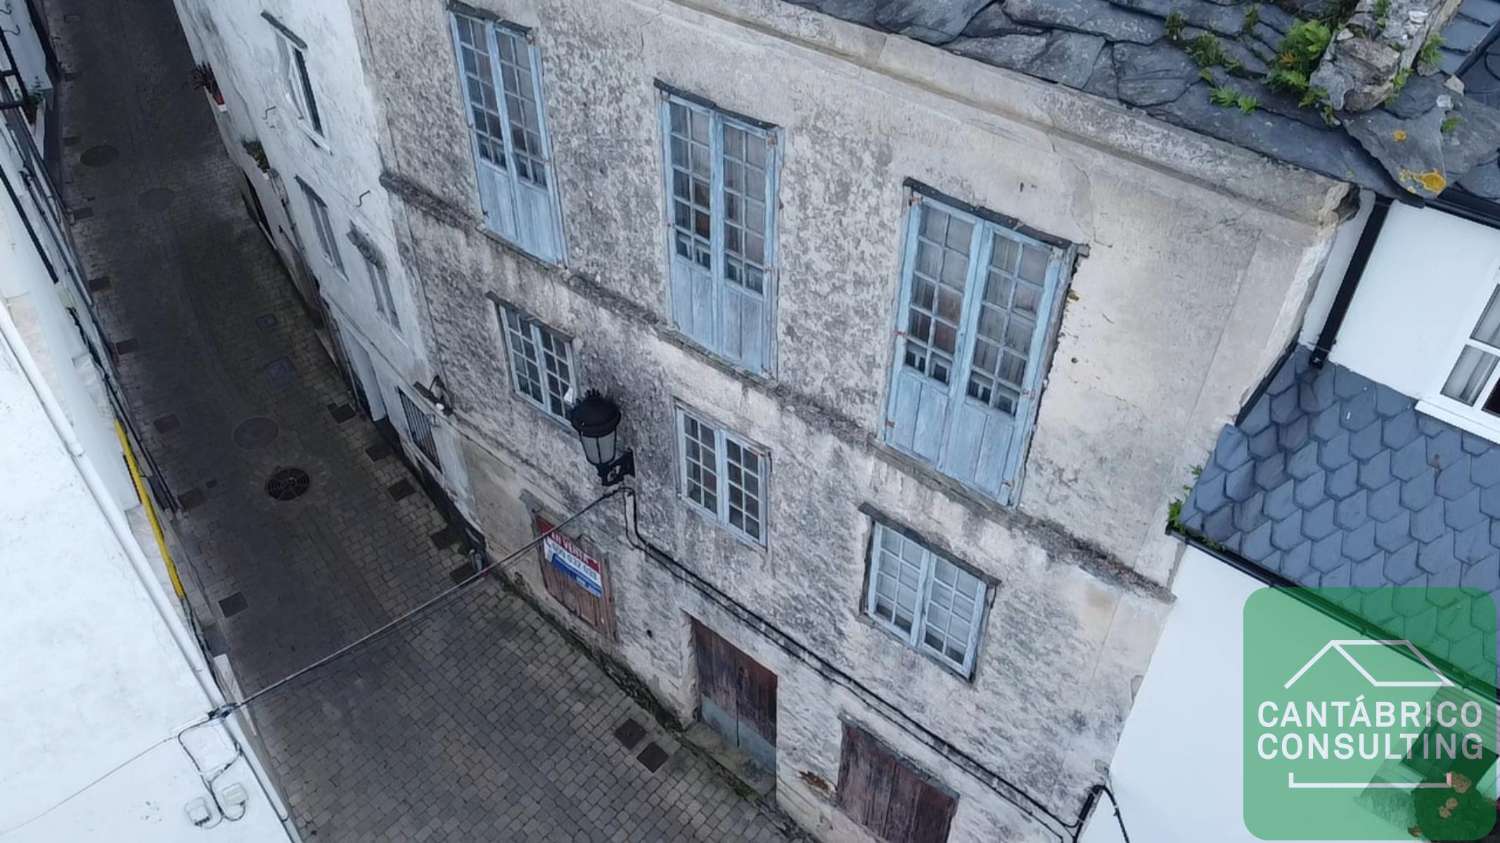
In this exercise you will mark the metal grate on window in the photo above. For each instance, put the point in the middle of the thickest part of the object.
(419, 427)
(692, 173)
(939, 279)
(521, 107)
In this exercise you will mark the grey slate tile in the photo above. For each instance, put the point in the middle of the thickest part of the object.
(1394, 534)
(1401, 565)
(1401, 430)
(1333, 479)
(1343, 482)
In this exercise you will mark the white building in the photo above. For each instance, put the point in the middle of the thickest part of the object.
(105, 694)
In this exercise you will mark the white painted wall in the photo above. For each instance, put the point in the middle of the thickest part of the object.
(1426, 283)
(1178, 771)
(25, 44)
(343, 168)
(93, 684)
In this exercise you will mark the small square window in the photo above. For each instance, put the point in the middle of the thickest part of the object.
(724, 476)
(541, 362)
(926, 600)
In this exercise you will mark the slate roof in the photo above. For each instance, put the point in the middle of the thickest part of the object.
(1332, 480)
(1119, 49)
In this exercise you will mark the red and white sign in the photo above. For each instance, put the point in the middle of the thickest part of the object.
(567, 557)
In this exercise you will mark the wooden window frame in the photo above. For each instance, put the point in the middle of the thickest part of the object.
(534, 334)
(934, 434)
(916, 638)
(707, 324)
(515, 217)
(720, 512)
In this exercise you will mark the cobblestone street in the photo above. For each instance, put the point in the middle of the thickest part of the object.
(479, 721)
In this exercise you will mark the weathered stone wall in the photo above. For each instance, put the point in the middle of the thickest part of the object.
(1199, 257)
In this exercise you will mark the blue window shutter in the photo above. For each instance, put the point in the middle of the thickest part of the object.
(1015, 449)
(537, 223)
(691, 256)
(474, 51)
(917, 417)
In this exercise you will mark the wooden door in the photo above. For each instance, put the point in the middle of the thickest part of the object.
(737, 696)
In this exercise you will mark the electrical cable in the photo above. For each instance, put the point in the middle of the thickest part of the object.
(415, 611)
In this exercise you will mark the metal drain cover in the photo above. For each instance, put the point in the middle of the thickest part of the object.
(288, 484)
(255, 432)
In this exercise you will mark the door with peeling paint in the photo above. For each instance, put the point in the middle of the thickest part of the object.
(737, 697)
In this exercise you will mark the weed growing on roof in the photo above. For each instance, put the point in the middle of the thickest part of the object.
(1175, 23)
(1298, 56)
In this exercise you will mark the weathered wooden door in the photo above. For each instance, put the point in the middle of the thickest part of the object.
(737, 696)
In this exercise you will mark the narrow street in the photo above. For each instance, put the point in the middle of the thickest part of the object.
(478, 721)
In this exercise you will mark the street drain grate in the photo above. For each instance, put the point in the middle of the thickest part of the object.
(233, 604)
(288, 484)
(630, 733)
(341, 412)
(255, 432)
(156, 199)
(280, 372)
(445, 538)
(99, 156)
(400, 489)
(652, 757)
(461, 573)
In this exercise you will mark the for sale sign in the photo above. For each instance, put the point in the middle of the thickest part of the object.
(570, 559)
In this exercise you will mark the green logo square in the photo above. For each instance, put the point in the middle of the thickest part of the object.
(1357, 733)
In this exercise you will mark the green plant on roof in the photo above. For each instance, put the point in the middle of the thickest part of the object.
(1175, 23)
(1450, 124)
(1252, 17)
(1398, 82)
(1427, 58)
(1206, 51)
(1224, 95)
(1382, 12)
(1247, 103)
(1298, 56)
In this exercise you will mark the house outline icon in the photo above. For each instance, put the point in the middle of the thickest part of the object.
(1342, 645)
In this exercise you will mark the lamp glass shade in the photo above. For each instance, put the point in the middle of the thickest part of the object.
(596, 419)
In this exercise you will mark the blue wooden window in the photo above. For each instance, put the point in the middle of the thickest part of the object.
(724, 476)
(721, 206)
(500, 73)
(977, 300)
(324, 227)
(924, 599)
(541, 363)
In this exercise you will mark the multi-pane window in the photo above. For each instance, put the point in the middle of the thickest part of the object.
(1473, 379)
(380, 290)
(724, 475)
(419, 428)
(296, 84)
(928, 601)
(721, 186)
(500, 73)
(541, 362)
(324, 227)
(976, 302)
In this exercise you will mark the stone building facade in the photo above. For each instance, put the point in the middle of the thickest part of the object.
(528, 153)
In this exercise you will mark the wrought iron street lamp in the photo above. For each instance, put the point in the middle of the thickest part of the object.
(597, 420)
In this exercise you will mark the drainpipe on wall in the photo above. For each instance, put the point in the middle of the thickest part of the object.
(1356, 270)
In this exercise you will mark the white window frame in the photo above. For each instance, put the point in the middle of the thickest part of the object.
(1470, 417)
(323, 225)
(297, 87)
(380, 291)
(535, 332)
(915, 638)
(721, 487)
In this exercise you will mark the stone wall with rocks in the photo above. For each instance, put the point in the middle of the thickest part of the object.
(1198, 259)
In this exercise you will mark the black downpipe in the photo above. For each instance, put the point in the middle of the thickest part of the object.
(1350, 283)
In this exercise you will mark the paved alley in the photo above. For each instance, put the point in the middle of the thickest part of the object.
(477, 722)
